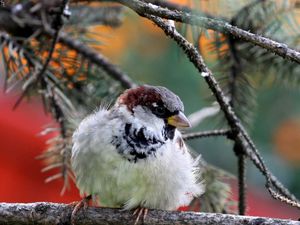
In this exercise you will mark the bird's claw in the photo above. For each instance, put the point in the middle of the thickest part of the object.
(138, 212)
(84, 203)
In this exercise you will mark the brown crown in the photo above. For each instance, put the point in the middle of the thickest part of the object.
(142, 95)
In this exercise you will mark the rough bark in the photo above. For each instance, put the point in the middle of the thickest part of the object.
(59, 214)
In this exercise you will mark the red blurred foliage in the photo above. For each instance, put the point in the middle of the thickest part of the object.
(20, 173)
(260, 203)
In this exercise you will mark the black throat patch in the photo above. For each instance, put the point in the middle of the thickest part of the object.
(168, 132)
(138, 143)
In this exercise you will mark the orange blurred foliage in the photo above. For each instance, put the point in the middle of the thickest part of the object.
(287, 140)
(142, 34)
(132, 34)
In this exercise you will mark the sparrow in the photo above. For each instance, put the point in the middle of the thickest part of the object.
(133, 156)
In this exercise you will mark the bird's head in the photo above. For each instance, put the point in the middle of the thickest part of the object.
(154, 103)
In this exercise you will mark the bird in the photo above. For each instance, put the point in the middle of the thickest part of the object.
(132, 155)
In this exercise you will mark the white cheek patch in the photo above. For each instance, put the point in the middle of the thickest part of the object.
(145, 118)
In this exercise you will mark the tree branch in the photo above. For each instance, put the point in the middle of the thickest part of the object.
(43, 213)
(177, 7)
(202, 134)
(278, 48)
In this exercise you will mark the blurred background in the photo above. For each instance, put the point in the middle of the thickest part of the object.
(143, 51)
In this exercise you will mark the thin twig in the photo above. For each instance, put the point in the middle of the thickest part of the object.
(58, 25)
(241, 157)
(242, 184)
(235, 73)
(202, 134)
(41, 72)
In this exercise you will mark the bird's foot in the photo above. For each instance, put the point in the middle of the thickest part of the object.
(84, 203)
(138, 212)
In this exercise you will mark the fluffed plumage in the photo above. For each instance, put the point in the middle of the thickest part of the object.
(133, 156)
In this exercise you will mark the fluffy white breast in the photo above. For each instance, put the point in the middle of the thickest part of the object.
(166, 181)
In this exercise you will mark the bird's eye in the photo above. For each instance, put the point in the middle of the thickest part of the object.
(159, 110)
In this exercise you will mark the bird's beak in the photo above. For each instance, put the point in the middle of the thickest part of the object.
(179, 120)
